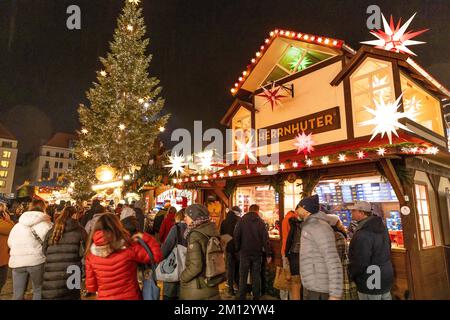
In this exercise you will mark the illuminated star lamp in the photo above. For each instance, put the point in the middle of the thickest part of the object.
(299, 64)
(205, 160)
(176, 165)
(395, 38)
(272, 95)
(304, 143)
(386, 118)
(245, 151)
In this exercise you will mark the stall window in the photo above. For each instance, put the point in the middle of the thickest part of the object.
(423, 108)
(6, 154)
(3, 174)
(4, 164)
(372, 81)
(242, 126)
(2, 183)
(292, 194)
(423, 212)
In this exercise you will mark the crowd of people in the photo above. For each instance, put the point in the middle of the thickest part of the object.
(193, 256)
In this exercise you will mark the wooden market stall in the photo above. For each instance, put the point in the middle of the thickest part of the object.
(367, 125)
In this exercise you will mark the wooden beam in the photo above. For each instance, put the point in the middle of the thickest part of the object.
(390, 173)
(219, 192)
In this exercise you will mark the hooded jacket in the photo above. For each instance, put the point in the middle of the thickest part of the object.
(166, 225)
(193, 285)
(320, 265)
(67, 252)
(112, 274)
(371, 246)
(5, 229)
(26, 250)
(227, 227)
(251, 237)
(285, 228)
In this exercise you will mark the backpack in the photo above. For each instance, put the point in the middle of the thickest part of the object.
(215, 261)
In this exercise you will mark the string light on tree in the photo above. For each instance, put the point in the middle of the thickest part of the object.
(395, 38)
(386, 118)
(177, 164)
(161, 129)
(130, 28)
(84, 131)
(122, 127)
(103, 73)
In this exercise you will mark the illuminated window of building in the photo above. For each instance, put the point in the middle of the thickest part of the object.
(425, 108)
(372, 80)
(3, 174)
(6, 154)
(297, 58)
(4, 164)
(292, 194)
(2, 183)
(241, 125)
(423, 212)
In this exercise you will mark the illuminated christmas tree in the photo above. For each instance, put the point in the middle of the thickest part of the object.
(123, 119)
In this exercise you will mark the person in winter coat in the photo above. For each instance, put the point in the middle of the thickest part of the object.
(89, 214)
(369, 247)
(227, 228)
(159, 218)
(98, 211)
(63, 247)
(285, 228)
(292, 253)
(139, 207)
(6, 225)
(112, 258)
(171, 290)
(167, 224)
(26, 256)
(252, 242)
(320, 266)
(200, 229)
(127, 212)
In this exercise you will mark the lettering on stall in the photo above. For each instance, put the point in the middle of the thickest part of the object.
(319, 122)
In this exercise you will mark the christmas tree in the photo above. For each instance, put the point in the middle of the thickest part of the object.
(123, 119)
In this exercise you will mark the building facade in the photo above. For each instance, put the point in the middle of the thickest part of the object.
(55, 157)
(8, 157)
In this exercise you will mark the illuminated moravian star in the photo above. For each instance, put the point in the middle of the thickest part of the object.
(386, 118)
(272, 95)
(395, 38)
(245, 151)
(205, 160)
(176, 165)
(304, 143)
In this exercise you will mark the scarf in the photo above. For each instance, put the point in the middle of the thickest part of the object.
(195, 224)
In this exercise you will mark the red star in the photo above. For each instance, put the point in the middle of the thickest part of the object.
(272, 95)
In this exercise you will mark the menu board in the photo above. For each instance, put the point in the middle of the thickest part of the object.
(335, 194)
(394, 221)
(345, 216)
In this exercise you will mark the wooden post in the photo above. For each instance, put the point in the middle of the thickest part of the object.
(390, 173)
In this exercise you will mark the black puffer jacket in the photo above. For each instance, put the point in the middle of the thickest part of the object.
(59, 257)
(251, 237)
(227, 227)
(371, 246)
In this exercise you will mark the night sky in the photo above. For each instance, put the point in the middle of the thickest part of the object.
(199, 49)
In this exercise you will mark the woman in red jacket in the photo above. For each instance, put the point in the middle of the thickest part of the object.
(112, 259)
(167, 224)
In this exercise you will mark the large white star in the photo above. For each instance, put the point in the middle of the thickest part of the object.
(205, 160)
(395, 38)
(386, 118)
(245, 151)
(176, 165)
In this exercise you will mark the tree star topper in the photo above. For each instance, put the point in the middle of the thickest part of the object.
(272, 95)
(386, 118)
(395, 38)
(304, 143)
(176, 165)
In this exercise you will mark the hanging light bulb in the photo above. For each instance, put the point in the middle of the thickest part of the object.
(381, 151)
(361, 155)
(309, 162)
(325, 160)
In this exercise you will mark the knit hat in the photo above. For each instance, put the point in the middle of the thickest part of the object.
(236, 210)
(127, 212)
(197, 211)
(362, 206)
(310, 204)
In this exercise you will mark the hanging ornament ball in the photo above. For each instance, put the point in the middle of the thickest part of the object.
(105, 173)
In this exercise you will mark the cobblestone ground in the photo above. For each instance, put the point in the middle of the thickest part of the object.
(8, 291)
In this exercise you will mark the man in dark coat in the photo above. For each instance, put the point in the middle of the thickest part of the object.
(90, 213)
(252, 242)
(138, 209)
(227, 229)
(370, 255)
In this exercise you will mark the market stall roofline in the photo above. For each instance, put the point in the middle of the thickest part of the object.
(292, 35)
(404, 61)
(234, 108)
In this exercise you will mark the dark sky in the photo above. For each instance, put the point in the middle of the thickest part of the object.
(199, 49)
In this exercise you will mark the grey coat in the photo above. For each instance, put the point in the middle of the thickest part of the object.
(320, 266)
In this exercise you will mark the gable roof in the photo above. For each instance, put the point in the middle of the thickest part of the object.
(5, 133)
(309, 39)
(404, 61)
(237, 104)
(61, 140)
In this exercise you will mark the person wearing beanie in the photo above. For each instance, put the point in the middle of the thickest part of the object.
(320, 266)
(198, 232)
(127, 212)
(226, 231)
(252, 242)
